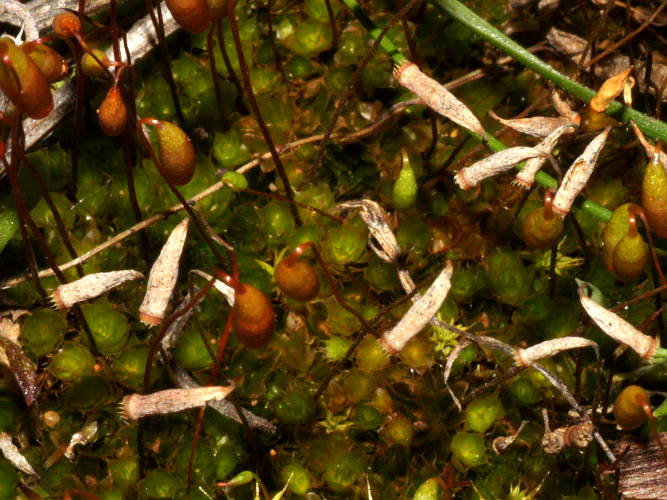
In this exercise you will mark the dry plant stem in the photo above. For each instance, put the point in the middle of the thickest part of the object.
(224, 119)
(158, 26)
(629, 36)
(245, 76)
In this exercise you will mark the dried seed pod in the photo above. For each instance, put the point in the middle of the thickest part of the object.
(136, 406)
(91, 286)
(50, 63)
(654, 197)
(541, 229)
(563, 108)
(619, 329)
(177, 156)
(630, 407)
(23, 82)
(163, 276)
(578, 174)
(537, 126)
(610, 90)
(253, 316)
(112, 113)
(66, 24)
(549, 348)
(437, 97)
(192, 15)
(579, 435)
(553, 441)
(296, 277)
(526, 177)
(421, 312)
(499, 162)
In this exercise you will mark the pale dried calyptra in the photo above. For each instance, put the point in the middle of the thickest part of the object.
(578, 174)
(163, 276)
(91, 286)
(13, 455)
(437, 97)
(537, 126)
(526, 177)
(420, 313)
(497, 163)
(549, 348)
(136, 406)
(84, 436)
(375, 217)
(619, 329)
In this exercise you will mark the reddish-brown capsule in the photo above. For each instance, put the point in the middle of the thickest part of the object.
(253, 316)
(50, 63)
(112, 113)
(192, 15)
(23, 82)
(66, 24)
(177, 156)
(296, 277)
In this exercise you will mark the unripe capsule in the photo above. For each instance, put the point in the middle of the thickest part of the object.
(23, 82)
(404, 192)
(541, 229)
(177, 156)
(629, 257)
(192, 15)
(630, 407)
(654, 197)
(90, 66)
(112, 113)
(50, 63)
(296, 277)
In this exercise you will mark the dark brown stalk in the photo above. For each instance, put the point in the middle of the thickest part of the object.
(224, 119)
(60, 225)
(166, 58)
(245, 75)
(347, 93)
(228, 62)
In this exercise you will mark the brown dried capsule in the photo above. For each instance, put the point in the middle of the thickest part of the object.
(296, 277)
(50, 63)
(67, 24)
(253, 316)
(112, 113)
(192, 15)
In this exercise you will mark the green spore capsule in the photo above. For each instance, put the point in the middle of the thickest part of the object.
(317, 9)
(468, 448)
(108, 326)
(298, 476)
(294, 407)
(203, 465)
(404, 192)
(654, 197)
(72, 362)
(159, 484)
(124, 471)
(482, 412)
(43, 330)
(398, 430)
(617, 227)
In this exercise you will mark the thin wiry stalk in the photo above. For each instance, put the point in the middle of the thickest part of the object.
(224, 119)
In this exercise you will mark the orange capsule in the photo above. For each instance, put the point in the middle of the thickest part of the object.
(192, 15)
(67, 24)
(253, 316)
(23, 82)
(50, 63)
(112, 113)
(296, 277)
(630, 407)
(177, 156)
